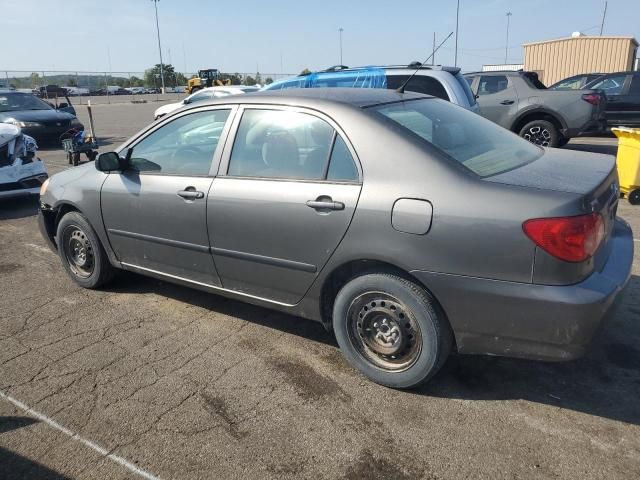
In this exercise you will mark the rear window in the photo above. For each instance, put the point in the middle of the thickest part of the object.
(478, 144)
(465, 84)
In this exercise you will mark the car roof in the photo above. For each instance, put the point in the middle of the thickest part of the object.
(310, 97)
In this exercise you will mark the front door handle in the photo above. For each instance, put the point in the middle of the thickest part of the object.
(325, 205)
(507, 102)
(190, 193)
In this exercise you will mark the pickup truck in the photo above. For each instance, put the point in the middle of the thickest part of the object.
(521, 103)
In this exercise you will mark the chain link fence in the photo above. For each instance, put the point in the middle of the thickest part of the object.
(117, 87)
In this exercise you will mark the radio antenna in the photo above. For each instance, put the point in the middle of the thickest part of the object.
(404, 85)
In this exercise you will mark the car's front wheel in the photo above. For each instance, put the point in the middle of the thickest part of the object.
(541, 132)
(391, 330)
(81, 252)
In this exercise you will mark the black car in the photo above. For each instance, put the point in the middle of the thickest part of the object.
(623, 97)
(36, 117)
(577, 82)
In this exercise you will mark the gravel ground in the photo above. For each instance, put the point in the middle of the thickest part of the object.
(159, 380)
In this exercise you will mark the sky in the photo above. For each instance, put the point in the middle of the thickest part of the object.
(286, 36)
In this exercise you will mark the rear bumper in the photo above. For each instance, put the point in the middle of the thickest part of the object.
(591, 127)
(539, 322)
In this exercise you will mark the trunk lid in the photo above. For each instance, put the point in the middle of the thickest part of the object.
(593, 180)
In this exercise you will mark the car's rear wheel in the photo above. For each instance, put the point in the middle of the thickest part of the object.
(541, 132)
(391, 330)
(81, 252)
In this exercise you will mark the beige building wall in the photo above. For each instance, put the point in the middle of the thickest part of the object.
(555, 60)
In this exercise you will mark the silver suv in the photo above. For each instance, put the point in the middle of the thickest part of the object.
(441, 82)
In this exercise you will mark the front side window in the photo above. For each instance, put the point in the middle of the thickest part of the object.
(573, 83)
(184, 146)
(480, 145)
(490, 84)
(287, 145)
(610, 85)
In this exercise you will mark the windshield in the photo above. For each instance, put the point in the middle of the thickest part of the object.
(13, 102)
(480, 145)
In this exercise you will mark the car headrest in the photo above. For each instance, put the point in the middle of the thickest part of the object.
(280, 153)
(449, 136)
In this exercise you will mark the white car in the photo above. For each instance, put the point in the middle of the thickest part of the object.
(204, 94)
(21, 171)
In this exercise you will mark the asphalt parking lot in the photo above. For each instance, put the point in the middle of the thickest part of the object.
(149, 379)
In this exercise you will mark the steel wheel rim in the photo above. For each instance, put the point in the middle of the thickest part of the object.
(384, 332)
(78, 251)
(538, 135)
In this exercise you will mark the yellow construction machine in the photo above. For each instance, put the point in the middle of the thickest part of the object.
(210, 77)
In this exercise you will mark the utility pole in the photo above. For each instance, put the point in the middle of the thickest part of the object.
(455, 61)
(155, 4)
(506, 47)
(604, 15)
(340, 30)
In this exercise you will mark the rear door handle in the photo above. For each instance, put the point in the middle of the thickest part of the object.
(190, 193)
(325, 205)
(507, 102)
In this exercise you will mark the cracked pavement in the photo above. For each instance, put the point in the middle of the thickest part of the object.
(185, 384)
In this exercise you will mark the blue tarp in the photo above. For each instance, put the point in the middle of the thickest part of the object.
(368, 77)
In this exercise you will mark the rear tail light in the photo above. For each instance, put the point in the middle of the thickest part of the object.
(573, 239)
(592, 98)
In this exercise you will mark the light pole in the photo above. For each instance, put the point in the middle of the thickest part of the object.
(455, 61)
(340, 30)
(506, 47)
(155, 4)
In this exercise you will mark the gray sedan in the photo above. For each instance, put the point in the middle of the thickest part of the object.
(407, 225)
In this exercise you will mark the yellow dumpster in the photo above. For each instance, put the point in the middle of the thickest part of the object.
(628, 162)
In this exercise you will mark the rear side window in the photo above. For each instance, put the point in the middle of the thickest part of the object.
(478, 144)
(289, 145)
(490, 84)
(419, 84)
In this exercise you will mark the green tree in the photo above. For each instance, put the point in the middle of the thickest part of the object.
(152, 75)
(258, 78)
(35, 80)
(249, 80)
(306, 71)
(268, 81)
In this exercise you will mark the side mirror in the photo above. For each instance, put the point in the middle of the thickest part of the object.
(109, 162)
(186, 101)
(63, 105)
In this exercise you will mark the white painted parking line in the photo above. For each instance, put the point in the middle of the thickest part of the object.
(88, 443)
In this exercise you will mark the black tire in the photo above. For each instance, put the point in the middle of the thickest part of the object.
(541, 132)
(76, 158)
(81, 253)
(415, 336)
(634, 197)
